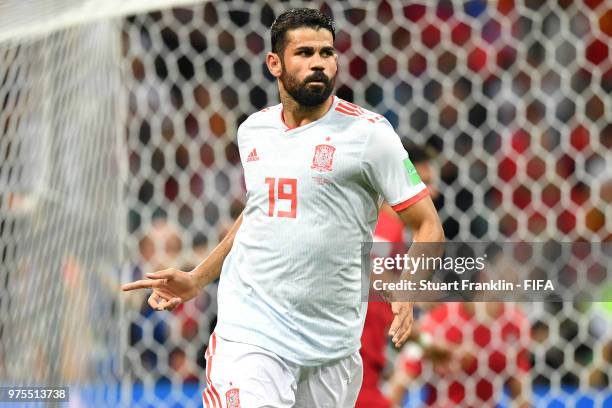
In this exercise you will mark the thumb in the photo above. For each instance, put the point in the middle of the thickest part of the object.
(170, 304)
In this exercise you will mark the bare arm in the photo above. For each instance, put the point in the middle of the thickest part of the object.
(171, 287)
(426, 228)
(422, 219)
(210, 268)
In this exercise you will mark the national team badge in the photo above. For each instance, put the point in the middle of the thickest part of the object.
(232, 398)
(323, 158)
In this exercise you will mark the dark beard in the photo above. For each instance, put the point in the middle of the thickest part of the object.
(305, 95)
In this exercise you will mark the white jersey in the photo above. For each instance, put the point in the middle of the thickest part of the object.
(291, 283)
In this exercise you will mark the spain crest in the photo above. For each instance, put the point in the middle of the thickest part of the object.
(323, 158)
(232, 398)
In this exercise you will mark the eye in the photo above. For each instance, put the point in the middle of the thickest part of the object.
(328, 52)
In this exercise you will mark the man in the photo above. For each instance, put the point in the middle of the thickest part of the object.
(488, 350)
(316, 169)
(390, 229)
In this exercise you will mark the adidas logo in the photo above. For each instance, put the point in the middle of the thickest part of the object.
(253, 156)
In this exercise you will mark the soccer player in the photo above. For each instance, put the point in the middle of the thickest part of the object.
(488, 350)
(316, 170)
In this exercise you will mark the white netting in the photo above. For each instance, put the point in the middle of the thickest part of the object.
(61, 218)
(62, 209)
(514, 95)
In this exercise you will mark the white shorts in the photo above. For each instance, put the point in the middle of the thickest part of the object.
(247, 376)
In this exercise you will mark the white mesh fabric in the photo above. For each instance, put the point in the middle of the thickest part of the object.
(61, 211)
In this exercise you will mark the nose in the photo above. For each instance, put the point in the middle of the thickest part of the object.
(316, 63)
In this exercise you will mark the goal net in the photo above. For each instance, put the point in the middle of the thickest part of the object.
(61, 216)
(62, 203)
(118, 157)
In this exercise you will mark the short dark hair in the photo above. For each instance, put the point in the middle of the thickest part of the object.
(296, 18)
(419, 153)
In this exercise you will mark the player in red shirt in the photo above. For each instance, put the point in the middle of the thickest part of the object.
(379, 315)
(488, 348)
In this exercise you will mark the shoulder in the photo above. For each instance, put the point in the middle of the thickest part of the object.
(351, 112)
(266, 117)
(369, 124)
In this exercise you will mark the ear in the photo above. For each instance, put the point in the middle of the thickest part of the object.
(274, 64)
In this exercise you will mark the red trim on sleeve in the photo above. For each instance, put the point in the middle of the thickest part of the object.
(412, 200)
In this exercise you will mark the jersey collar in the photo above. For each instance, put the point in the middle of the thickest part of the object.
(287, 129)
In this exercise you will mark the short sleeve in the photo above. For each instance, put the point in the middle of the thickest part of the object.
(388, 169)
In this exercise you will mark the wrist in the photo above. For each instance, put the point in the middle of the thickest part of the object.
(197, 278)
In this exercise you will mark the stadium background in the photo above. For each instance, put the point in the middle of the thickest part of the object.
(117, 138)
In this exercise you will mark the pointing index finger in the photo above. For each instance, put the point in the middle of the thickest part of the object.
(165, 274)
(142, 284)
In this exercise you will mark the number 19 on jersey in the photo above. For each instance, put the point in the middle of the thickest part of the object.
(282, 189)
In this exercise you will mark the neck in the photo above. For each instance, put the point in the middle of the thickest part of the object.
(296, 115)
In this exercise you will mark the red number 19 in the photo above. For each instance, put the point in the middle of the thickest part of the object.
(282, 195)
